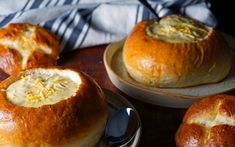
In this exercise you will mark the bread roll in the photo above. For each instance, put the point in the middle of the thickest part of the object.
(51, 107)
(176, 52)
(24, 46)
(209, 122)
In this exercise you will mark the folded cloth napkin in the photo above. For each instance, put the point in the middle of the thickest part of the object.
(82, 23)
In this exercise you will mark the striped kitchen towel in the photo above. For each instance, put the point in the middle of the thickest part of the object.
(82, 23)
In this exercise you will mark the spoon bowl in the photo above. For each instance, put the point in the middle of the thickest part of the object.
(122, 126)
(123, 123)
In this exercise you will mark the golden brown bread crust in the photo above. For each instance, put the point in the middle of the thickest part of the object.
(9, 60)
(162, 64)
(209, 122)
(23, 42)
(52, 125)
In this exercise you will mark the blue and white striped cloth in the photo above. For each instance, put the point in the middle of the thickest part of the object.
(82, 23)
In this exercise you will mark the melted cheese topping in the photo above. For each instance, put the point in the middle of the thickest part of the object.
(177, 29)
(40, 88)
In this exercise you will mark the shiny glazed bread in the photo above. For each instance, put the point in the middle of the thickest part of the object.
(209, 122)
(176, 52)
(51, 107)
(24, 46)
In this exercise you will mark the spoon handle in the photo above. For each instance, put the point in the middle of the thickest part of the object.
(149, 7)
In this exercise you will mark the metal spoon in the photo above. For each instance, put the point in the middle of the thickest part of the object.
(122, 126)
(149, 7)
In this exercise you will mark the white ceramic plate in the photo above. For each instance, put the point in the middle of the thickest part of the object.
(170, 97)
(116, 102)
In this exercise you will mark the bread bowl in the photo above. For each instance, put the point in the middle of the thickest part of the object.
(24, 46)
(51, 107)
(209, 122)
(176, 52)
